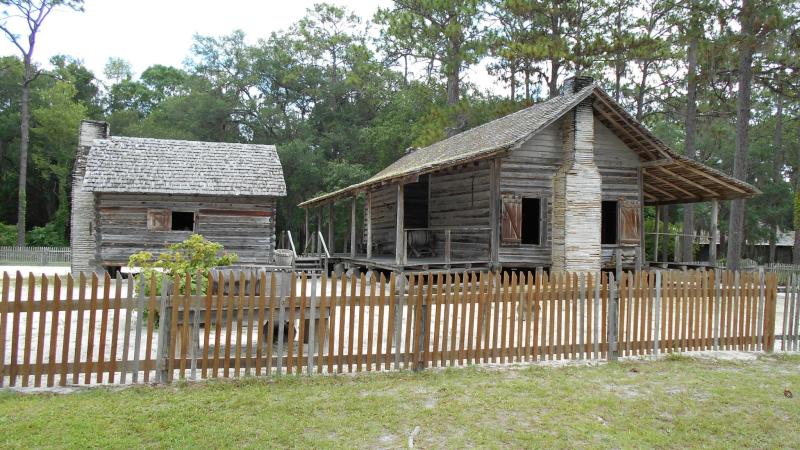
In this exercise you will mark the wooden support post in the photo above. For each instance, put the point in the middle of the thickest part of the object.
(331, 238)
(712, 246)
(353, 227)
(639, 257)
(494, 209)
(305, 231)
(658, 230)
(369, 224)
(618, 262)
(319, 229)
(447, 245)
(400, 235)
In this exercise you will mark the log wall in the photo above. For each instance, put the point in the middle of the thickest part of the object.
(244, 225)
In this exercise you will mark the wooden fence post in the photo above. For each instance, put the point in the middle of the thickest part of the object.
(657, 313)
(771, 289)
(164, 338)
(612, 327)
(398, 317)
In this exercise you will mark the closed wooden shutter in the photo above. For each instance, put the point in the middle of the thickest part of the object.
(511, 229)
(159, 220)
(630, 222)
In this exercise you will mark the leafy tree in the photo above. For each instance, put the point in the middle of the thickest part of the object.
(33, 13)
(447, 32)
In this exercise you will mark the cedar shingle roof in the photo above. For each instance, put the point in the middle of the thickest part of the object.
(669, 177)
(143, 165)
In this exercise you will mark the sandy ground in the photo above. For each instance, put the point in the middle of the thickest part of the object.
(38, 323)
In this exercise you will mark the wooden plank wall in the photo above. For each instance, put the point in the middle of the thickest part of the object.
(122, 224)
(528, 171)
(384, 217)
(66, 331)
(460, 198)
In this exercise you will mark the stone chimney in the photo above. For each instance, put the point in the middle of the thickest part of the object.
(575, 84)
(577, 196)
(82, 226)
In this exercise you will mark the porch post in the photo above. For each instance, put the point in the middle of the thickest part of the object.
(712, 246)
(331, 241)
(400, 235)
(369, 224)
(494, 210)
(319, 227)
(658, 229)
(353, 227)
(305, 232)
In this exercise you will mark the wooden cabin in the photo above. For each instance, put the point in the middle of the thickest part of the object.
(561, 185)
(131, 194)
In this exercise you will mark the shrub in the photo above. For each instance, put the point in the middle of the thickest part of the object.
(47, 236)
(193, 256)
(8, 235)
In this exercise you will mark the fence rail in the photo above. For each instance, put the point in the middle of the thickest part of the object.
(90, 330)
(35, 255)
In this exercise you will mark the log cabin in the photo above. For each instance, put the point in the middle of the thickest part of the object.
(560, 185)
(131, 194)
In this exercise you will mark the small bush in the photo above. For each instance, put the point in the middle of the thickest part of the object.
(8, 235)
(193, 256)
(46, 236)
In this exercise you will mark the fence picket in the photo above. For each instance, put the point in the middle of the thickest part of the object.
(272, 316)
(51, 360)
(67, 333)
(302, 322)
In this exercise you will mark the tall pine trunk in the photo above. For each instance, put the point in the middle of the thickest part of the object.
(736, 221)
(691, 127)
(24, 128)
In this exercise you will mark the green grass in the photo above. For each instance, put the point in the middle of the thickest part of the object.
(672, 403)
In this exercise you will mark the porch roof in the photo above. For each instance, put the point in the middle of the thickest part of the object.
(668, 176)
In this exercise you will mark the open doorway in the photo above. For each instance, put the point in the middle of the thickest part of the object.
(415, 203)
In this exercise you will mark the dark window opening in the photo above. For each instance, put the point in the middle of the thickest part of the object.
(531, 221)
(608, 225)
(415, 203)
(182, 221)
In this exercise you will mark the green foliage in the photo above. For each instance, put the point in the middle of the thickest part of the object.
(192, 257)
(796, 211)
(8, 235)
(50, 235)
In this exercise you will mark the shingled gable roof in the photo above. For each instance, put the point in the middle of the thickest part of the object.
(505, 133)
(143, 165)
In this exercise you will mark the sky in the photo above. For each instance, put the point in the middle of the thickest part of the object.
(148, 32)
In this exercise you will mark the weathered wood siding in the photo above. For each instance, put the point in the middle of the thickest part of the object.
(459, 198)
(619, 168)
(528, 171)
(384, 219)
(244, 225)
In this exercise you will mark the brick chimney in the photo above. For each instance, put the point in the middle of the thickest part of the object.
(577, 196)
(82, 226)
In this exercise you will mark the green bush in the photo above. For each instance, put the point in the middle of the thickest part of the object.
(8, 235)
(46, 236)
(193, 256)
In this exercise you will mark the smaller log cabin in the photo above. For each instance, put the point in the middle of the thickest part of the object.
(131, 194)
(561, 185)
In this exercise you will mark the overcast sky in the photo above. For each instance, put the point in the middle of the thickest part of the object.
(147, 32)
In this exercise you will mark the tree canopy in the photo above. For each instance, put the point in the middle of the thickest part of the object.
(343, 96)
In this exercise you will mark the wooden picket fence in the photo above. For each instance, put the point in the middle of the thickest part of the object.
(91, 331)
(43, 256)
(790, 317)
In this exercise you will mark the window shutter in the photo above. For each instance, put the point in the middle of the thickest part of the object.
(511, 229)
(630, 222)
(159, 220)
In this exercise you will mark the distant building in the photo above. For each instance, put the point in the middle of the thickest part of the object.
(131, 194)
